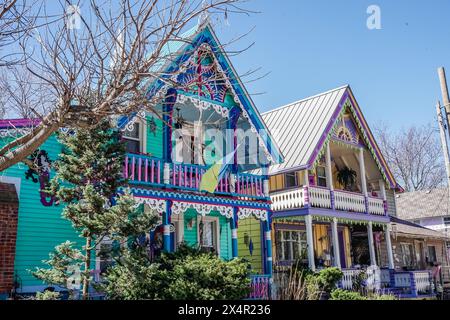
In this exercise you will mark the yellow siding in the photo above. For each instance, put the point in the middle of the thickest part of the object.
(348, 257)
(276, 182)
(250, 228)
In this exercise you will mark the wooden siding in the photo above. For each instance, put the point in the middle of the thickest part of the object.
(155, 139)
(440, 246)
(252, 228)
(390, 198)
(40, 228)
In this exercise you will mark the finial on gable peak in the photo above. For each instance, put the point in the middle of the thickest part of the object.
(204, 15)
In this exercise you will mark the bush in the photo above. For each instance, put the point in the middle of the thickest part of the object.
(48, 295)
(187, 274)
(326, 279)
(339, 294)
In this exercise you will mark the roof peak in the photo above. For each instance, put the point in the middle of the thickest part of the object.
(304, 99)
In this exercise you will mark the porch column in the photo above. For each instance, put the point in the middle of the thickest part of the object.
(268, 239)
(389, 247)
(234, 234)
(373, 261)
(167, 246)
(310, 242)
(169, 101)
(337, 256)
(329, 174)
(362, 170)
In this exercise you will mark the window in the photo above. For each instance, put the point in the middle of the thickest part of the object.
(321, 176)
(291, 179)
(291, 245)
(186, 150)
(447, 221)
(133, 139)
(407, 254)
(178, 223)
(208, 234)
(104, 259)
(432, 254)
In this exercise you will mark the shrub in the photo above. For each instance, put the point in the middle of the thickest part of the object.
(328, 278)
(48, 295)
(339, 294)
(186, 274)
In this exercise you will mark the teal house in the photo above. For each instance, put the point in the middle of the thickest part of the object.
(168, 152)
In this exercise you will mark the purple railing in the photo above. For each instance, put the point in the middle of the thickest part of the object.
(188, 176)
(248, 184)
(260, 287)
(143, 169)
(146, 170)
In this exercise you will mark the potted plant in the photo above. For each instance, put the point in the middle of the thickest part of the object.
(347, 178)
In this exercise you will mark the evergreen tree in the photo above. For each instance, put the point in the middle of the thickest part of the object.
(88, 178)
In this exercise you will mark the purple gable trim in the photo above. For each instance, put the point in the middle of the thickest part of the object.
(372, 141)
(359, 115)
(18, 123)
(330, 124)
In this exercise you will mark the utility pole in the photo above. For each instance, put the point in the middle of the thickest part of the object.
(444, 90)
(444, 141)
(446, 100)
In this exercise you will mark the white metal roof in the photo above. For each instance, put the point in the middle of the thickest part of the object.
(299, 126)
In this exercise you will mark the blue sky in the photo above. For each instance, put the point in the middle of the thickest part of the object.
(313, 46)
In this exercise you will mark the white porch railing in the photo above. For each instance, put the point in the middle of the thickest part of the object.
(422, 281)
(319, 197)
(288, 200)
(349, 201)
(375, 205)
(402, 280)
(348, 278)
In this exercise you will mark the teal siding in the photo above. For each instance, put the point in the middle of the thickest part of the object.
(190, 235)
(155, 139)
(40, 228)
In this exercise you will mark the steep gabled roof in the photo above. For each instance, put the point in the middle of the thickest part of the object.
(423, 204)
(302, 129)
(205, 34)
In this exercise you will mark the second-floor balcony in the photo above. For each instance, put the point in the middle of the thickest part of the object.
(320, 197)
(150, 171)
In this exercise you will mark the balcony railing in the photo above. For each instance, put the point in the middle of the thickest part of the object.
(319, 197)
(151, 171)
(401, 283)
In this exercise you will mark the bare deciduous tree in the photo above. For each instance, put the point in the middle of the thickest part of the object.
(414, 156)
(93, 61)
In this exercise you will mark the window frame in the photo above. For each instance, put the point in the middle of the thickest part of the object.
(323, 177)
(142, 136)
(216, 235)
(300, 243)
(411, 253)
(296, 184)
(434, 253)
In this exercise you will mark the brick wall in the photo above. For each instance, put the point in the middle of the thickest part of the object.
(8, 234)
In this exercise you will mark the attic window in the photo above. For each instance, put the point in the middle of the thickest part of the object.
(344, 134)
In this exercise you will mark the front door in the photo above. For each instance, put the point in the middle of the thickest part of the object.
(342, 249)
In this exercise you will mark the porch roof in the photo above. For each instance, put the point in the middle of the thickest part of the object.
(409, 229)
(423, 204)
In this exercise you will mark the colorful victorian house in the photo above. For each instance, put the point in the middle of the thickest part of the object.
(334, 195)
(334, 189)
(168, 153)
